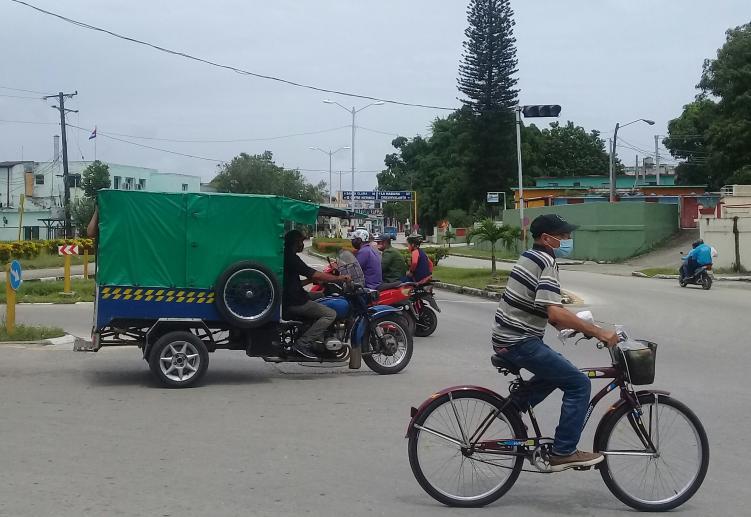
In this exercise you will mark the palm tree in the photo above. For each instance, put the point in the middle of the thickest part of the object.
(448, 236)
(489, 232)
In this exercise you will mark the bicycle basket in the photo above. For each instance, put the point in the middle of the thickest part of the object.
(639, 363)
(352, 269)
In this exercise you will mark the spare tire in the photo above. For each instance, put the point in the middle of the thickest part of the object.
(247, 294)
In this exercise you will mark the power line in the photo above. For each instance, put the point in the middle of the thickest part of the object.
(20, 97)
(29, 122)
(226, 67)
(215, 160)
(377, 131)
(264, 139)
(22, 90)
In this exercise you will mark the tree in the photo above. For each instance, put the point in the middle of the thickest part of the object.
(95, 177)
(566, 150)
(458, 218)
(486, 74)
(713, 134)
(489, 232)
(258, 174)
(81, 212)
(448, 236)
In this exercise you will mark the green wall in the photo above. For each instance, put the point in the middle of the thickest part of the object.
(610, 231)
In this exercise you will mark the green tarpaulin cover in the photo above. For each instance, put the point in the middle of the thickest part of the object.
(188, 239)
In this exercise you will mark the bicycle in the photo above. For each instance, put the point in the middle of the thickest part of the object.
(656, 450)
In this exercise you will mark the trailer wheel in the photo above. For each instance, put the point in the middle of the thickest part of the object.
(179, 359)
(247, 294)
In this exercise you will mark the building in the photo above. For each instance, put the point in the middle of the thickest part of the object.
(40, 186)
(728, 228)
(692, 200)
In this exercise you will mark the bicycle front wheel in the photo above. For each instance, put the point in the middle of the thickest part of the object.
(654, 480)
(447, 454)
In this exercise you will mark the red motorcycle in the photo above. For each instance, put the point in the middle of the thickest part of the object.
(416, 300)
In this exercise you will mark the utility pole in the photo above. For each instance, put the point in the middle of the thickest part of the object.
(518, 110)
(66, 185)
(657, 158)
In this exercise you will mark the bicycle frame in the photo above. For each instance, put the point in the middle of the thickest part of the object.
(528, 445)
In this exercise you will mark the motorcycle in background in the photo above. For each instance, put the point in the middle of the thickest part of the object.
(702, 276)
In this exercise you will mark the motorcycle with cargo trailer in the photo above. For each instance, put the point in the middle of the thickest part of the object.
(181, 275)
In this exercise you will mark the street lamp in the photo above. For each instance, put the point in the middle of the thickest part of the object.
(330, 153)
(354, 112)
(612, 153)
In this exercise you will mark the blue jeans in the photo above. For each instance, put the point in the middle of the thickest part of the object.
(551, 370)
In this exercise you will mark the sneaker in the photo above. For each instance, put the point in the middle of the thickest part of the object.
(305, 350)
(577, 459)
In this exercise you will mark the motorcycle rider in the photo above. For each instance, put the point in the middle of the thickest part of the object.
(532, 299)
(393, 265)
(368, 257)
(700, 255)
(296, 300)
(420, 265)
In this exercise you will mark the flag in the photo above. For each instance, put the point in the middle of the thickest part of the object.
(93, 134)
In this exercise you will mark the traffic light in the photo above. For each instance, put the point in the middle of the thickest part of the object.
(541, 110)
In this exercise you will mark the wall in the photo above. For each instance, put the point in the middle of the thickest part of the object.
(611, 231)
(719, 233)
(601, 181)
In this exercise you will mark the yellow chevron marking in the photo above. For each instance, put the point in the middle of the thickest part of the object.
(171, 292)
(138, 297)
(105, 296)
(150, 291)
(105, 290)
(117, 290)
(117, 297)
(170, 298)
(159, 298)
(180, 299)
(202, 293)
(160, 292)
(138, 292)
(190, 300)
(149, 298)
(128, 291)
(127, 296)
(181, 293)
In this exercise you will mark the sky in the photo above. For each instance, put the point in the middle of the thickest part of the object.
(603, 61)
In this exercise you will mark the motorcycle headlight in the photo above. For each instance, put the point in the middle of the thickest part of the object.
(373, 296)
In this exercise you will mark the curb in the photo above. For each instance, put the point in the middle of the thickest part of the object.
(721, 278)
(569, 298)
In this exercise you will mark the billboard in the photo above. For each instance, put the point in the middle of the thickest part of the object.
(379, 195)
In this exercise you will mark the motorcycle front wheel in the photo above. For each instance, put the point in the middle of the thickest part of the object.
(390, 345)
(427, 322)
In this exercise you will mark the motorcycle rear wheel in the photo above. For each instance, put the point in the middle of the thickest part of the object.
(426, 323)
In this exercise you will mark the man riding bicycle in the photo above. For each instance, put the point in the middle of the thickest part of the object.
(532, 299)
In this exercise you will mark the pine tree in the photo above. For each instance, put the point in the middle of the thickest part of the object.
(486, 74)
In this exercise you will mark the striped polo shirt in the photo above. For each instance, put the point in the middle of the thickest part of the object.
(532, 285)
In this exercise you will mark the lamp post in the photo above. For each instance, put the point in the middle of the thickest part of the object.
(612, 153)
(354, 111)
(330, 153)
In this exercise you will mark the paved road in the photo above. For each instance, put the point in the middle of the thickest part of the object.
(91, 434)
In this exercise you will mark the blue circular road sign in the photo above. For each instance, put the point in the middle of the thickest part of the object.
(15, 275)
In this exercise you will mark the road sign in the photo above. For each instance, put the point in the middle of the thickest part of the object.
(395, 195)
(67, 250)
(375, 195)
(15, 275)
(494, 197)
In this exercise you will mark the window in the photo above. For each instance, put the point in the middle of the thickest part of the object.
(129, 182)
(116, 182)
(74, 180)
(39, 179)
(141, 184)
(185, 187)
(31, 233)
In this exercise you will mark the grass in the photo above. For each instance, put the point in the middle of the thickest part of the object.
(469, 277)
(46, 261)
(470, 251)
(30, 333)
(653, 271)
(49, 292)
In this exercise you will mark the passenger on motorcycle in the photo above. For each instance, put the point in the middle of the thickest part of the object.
(393, 266)
(420, 265)
(532, 299)
(296, 300)
(700, 255)
(368, 257)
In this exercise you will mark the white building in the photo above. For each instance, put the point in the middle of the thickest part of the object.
(729, 230)
(41, 185)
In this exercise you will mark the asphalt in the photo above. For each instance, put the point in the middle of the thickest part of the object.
(92, 434)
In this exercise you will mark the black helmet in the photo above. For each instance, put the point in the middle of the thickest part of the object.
(414, 239)
(697, 243)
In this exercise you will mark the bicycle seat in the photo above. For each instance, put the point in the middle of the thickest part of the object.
(504, 364)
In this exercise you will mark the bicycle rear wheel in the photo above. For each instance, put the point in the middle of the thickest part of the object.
(439, 456)
(661, 481)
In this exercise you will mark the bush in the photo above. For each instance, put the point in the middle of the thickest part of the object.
(433, 253)
(327, 245)
(83, 244)
(32, 249)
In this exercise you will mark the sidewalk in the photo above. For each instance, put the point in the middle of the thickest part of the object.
(56, 272)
